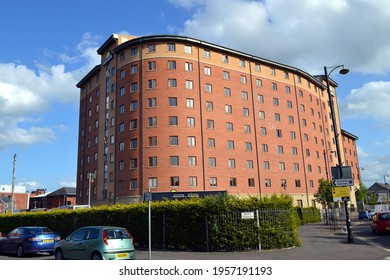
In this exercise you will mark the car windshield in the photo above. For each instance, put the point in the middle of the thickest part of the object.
(40, 230)
(117, 234)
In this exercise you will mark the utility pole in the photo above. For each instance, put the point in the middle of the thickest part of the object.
(13, 185)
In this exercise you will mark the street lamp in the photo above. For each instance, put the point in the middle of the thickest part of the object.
(384, 179)
(342, 71)
(91, 176)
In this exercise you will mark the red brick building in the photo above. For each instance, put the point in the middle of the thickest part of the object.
(171, 113)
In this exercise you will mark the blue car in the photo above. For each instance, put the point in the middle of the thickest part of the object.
(363, 215)
(33, 239)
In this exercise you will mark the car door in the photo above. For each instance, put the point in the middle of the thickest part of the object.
(72, 247)
(10, 240)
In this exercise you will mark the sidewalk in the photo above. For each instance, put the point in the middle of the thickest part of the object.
(319, 242)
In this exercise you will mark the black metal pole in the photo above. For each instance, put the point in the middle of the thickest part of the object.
(340, 163)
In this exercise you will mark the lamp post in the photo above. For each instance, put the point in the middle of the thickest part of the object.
(342, 71)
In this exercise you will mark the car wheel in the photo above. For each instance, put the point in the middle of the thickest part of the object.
(59, 255)
(96, 256)
(20, 251)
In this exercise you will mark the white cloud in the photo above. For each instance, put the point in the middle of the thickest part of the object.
(26, 95)
(371, 101)
(301, 33)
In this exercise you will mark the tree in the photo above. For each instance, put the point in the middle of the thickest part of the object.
(372, 198)
(361, 194)
(324, 195)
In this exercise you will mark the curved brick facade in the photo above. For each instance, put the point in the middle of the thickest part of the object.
(175, 113)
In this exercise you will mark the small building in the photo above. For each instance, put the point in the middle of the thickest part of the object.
(383, 191)
(61, 197)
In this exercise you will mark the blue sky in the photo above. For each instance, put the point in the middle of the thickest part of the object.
(48, 46)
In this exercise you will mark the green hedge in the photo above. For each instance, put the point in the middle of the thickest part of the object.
(208, 224)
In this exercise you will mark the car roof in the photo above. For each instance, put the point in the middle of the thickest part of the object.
(102, 227)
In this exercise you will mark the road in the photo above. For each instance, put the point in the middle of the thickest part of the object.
(319, 242)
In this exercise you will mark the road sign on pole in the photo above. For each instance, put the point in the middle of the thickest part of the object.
(343, 182)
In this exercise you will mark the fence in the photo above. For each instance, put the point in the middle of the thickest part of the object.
(224, 231)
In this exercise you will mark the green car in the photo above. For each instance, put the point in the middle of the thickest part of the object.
(96, 243)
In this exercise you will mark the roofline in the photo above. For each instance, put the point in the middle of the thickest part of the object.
(154, 38)
(86, 78)
(350, 135)
(112, 39)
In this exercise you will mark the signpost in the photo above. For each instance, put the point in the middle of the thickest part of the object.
(343, 182)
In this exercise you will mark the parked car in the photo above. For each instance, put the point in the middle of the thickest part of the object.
(363, 215)
(30, 239)
(96, 243)
(381, 222)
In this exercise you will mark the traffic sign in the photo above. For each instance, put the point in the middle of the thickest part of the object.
(343, 182)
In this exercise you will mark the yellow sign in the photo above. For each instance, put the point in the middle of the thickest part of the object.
(340, 191)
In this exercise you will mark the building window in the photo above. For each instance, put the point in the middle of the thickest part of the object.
(264, 148)
(171, 64)
(266, 165)
(133, 105)
(152, 84)
(248, 146)
(191, 141)
(226, 75)
(212, 162)
(133, 184)
(213, 181)
(249, 164)
(173, 140)
(229, 126)
(190, 103)
(208, 88)
(193, 181)
(134, 52)
(247, 128)
(225, 58)
(173, 120)
(174, 161)
(121, 165)
(172, 101)
(134, 87)
(251, 182)
(228, 109)
(187, 49)
(153, 182)
(152, 121)
(152, 48)
(133, 144)
(152, 102)
(189, 84)
(274, 86)
(191, 161)
(267, 183)
(172, 83)
(152, 161)
(209, 106)
(257, 67)
(261, 115)
(206, 54)
(259, 83)
(175, 181)
(211, 142)
(282, 166)
(190, 122)
(296, 167)
(121, 146)
(188, 66)
(233, 182)
(207, 71)
(133, 163)
(152, 141)
(244, 95)
(133, 124)
(210, 124)
(260, 98)
(243, 79)
(230, 145)
(134, 69)
(171, 47)
(297, 183)
(242, 63)
(245, 112)
(151, 65)
(227, 92)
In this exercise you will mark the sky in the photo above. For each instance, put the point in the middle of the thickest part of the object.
(47, 47)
